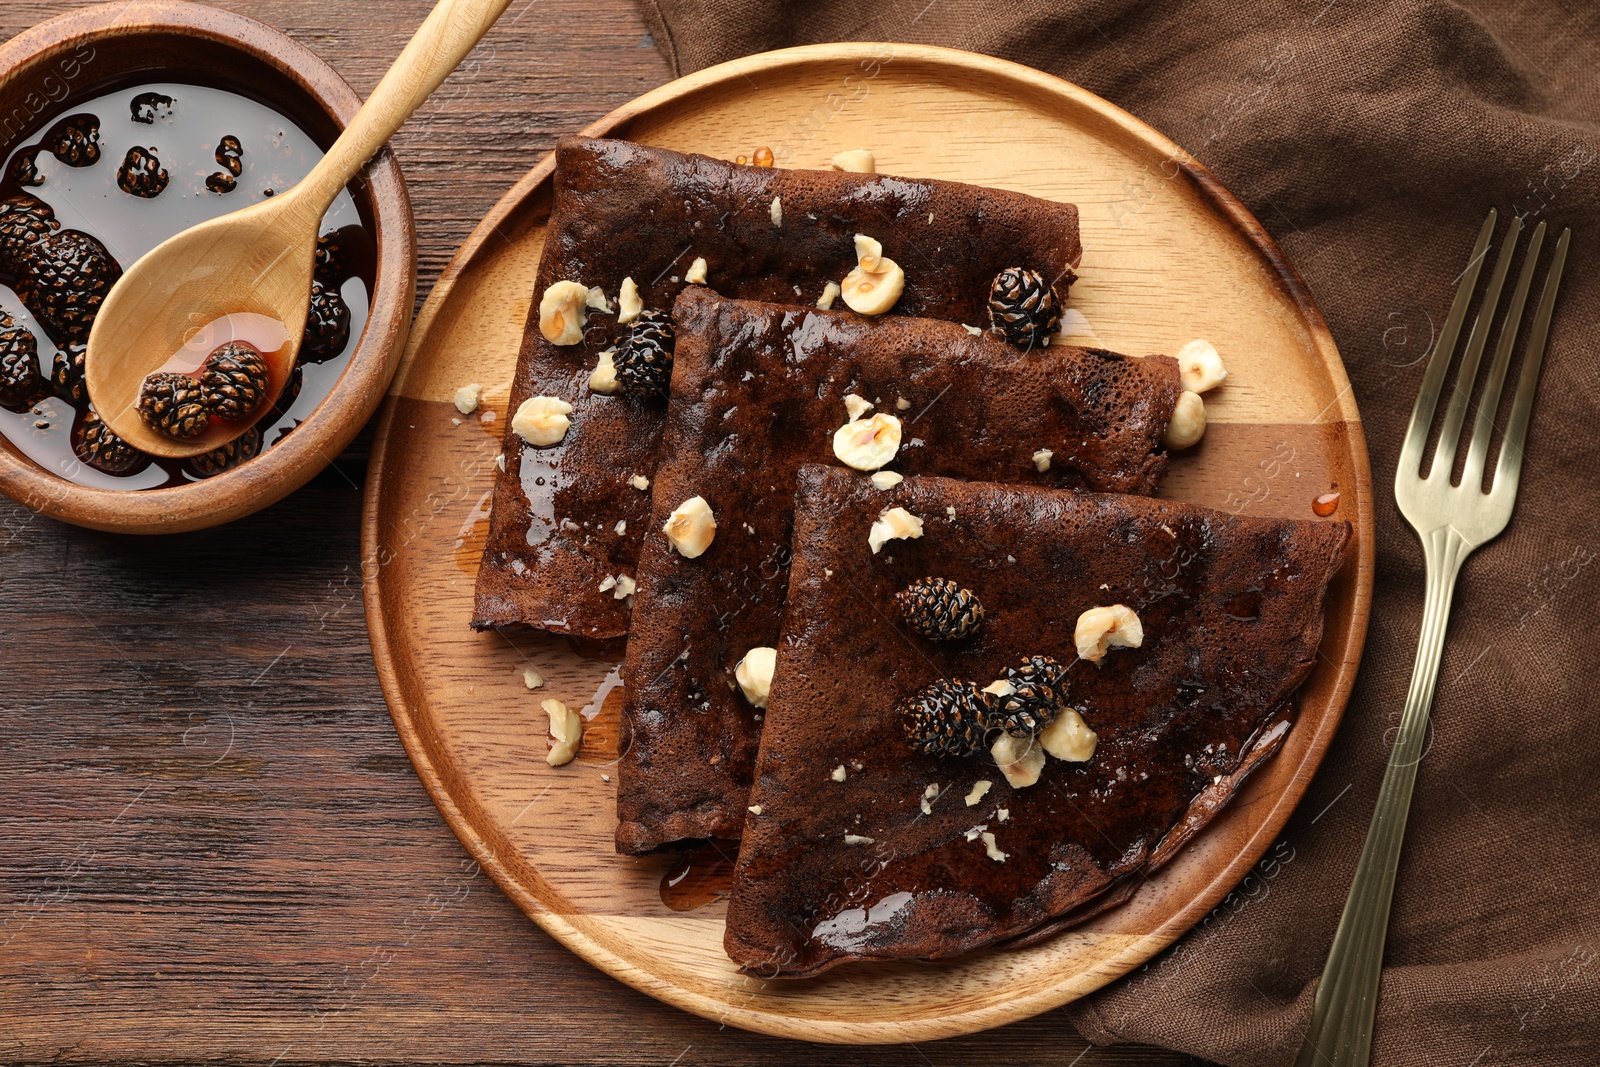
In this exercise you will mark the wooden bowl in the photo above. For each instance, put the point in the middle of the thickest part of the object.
(94, 50)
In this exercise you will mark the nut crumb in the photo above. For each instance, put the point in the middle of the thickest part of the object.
(639, 482)
(902, 404)
(838, 774)
(597, 299)
(532, 678)
(893, 524)
(978, 791)
(696, 274)
(857, 406)
(830, 293)
(973, 330)
(886, 479)
(626, 587)
(1002, 814)
(608, 583)
(992, 849)
(500, 461)
(605, 778)
(566, 726)
(629, 302)
(621, 527)
(858, 839)
(1041, 460)
(856, 161)
(754, 809)
(467, 398)
(777, 212)
(604, 378)
(950, 511)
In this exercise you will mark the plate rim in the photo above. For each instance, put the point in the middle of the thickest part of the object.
(841, 1031)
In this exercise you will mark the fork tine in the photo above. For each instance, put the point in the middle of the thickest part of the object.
(1508, 468)
(1489, 405)
(1443, 350)
(1444, 454)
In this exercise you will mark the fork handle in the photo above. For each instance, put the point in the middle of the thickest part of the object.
(1346, 1003)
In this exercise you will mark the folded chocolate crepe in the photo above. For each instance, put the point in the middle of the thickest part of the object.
(845, 862)
(759, 390)
(566, 517)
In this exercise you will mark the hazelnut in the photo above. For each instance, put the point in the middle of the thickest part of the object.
(467, 398)
(992, 849)
(1200, 367)
(979, 789)
(566, 726)
(532, 678)
(777, 212)
(1188, 423)
(542, 420)
(876, 283)
(830, 293)
(857, 406)
(867, 444)
(629, 303)
(696, 274)
(1102, 628)
(893, 524)
(856, 161)
(754, 675)
(1069, 737)
(1041, 460)
(886, 479)
(691, 527)
(1019, 759)
(604, 378)
(561, 312)
(639, 482)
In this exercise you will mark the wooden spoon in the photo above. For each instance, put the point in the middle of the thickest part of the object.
(248, 274)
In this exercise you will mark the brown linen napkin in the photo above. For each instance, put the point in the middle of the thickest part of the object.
(1370, 138)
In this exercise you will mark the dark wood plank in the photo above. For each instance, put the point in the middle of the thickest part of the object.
(214, 846)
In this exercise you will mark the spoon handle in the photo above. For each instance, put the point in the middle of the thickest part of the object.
(443, 40)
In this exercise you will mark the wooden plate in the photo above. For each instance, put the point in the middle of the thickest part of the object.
(1170, 256)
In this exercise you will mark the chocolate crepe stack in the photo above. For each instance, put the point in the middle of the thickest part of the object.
(565, 518)
(863, 847)
(758, 390)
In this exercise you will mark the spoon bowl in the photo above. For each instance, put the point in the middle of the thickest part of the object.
(244, 276)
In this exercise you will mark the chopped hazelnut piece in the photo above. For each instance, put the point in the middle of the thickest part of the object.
(867, 444)
(1188, 423)
(754, 675)
(856, 161)
(902, 404)
(830, 293)
(1041, 460)
(1002, 814)
(754, 809)
(1102, 628)
(893, 524)
(838, 774)
(691, 527)
(566, 726)
(467, 398)
(857, 406)
(696, 274)
(1199, 366)
(639, 482)
(1069, 738)
(886, 479)
(626, 587)
(621, 527)
(532, 678)
(608, 583)
(542, 420)
(991, 848)
(629, 303)
(858, 839)
(777, 212)
(876, 283)
(979, 789)
(597, 300)
(1019, 759)
(561, 312)
(604, 378)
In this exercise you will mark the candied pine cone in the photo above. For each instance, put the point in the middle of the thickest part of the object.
(644, 358)
(210, 464)
(21, 383)
(75, 140)
(24, 221)
(1038, 694)
(234, 380)
(939, 609)
(66, 375)
(141, 173)
(327, 325)
(173, 404)
(230, 155)
(947, 718)
(65, 279)
(331, 264)
(96, 444)
(147, 107)
(1023, 307)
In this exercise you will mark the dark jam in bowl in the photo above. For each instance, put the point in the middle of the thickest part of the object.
(116, 176)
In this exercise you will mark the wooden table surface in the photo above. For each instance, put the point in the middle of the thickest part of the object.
(213, 845)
